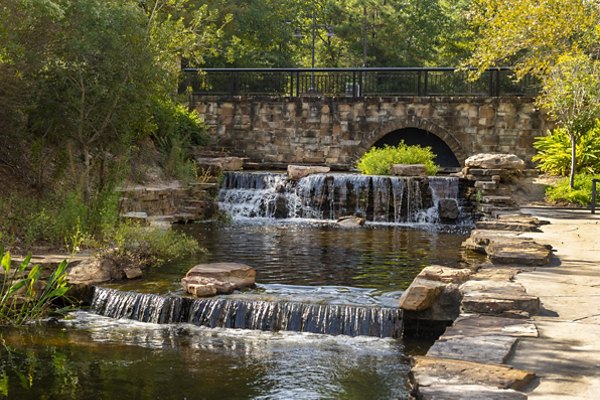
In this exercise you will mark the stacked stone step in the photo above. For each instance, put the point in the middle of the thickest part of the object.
(491, 175)
(490, 313)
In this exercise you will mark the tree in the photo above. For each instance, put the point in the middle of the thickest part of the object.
(556, 41)
(571, 96)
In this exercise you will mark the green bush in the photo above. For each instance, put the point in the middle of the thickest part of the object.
(379, 161)
(149, 246)
(177, 129)
(562, 193)
(554, 152)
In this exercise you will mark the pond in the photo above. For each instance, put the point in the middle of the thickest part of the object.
(298, 262)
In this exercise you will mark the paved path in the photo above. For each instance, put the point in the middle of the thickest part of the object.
(566, 356)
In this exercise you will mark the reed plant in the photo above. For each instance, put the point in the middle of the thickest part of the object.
(25, 296)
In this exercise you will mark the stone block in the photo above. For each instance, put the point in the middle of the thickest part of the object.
(468, 392)
(482, 348)
(434, 371)
(496, 298)
(204, 279)
(445, 274)
(495, 161)
(409, 170)
(296, 172)
(420, 295)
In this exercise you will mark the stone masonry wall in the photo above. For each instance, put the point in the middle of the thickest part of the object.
(337, 131)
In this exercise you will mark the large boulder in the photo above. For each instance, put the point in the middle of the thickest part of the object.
(495, 161)
(296, 172)
(448, 209)
(216, 278)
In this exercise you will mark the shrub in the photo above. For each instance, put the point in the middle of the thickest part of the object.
(554, 152)
(149, 246)
(24, 296)
(177, 129)
(562, 193)
(379, 161)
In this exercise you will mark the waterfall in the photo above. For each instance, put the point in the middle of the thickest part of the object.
(387, 199)
(275, 315)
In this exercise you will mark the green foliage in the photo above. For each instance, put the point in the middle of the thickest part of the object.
(554, 152)
(177, 130)
(580, 194)
(25, 296)
(378, 161)
(149, 246)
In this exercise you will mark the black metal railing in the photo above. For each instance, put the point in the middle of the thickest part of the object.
(353, 82)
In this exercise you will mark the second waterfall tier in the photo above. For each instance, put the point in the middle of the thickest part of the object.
(385, 199)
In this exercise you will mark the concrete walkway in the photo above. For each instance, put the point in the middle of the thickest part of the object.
(566, 355)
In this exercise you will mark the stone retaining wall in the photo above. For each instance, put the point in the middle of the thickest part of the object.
(337, 131)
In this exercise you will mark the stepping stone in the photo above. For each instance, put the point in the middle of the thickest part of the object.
(483, 349)
(211, 279)
(476, 324)
(434, 371)
(497, 297)
(468, 392)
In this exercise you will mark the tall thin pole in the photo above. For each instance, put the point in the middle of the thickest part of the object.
(364, 36)
(314, 27)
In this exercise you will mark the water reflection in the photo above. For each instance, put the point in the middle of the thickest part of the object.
(95, 357)
(382, 257)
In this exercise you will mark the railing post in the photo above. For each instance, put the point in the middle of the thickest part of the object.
(425, 82)
(291, 84)
(593, 205)
(419, 83)
(297, 83)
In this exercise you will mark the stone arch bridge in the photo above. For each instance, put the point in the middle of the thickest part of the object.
(309, 117)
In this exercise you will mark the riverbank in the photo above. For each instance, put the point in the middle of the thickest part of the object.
(566, 355)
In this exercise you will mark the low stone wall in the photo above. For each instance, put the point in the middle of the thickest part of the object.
(175, 202)
(487, 312)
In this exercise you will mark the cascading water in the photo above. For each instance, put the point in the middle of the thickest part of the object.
(386, 199)
(276, 315)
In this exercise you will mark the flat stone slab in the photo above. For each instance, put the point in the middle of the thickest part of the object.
(505, 247)
(408, 170)
(296, 172)
(494, 273)
(483, 349)
(220, 163)
(521, 252)
(210, 279)
(469, 392)
(438, 371)
(476, 325)
(507, 226)
(445, 274)
(497, 297)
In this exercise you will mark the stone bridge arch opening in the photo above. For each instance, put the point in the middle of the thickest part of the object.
(444, 156)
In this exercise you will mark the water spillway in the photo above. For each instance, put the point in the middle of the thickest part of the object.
(257, 314)
(386, 199)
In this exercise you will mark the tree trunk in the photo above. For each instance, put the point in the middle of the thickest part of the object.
(87, 162)
(573, 161)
